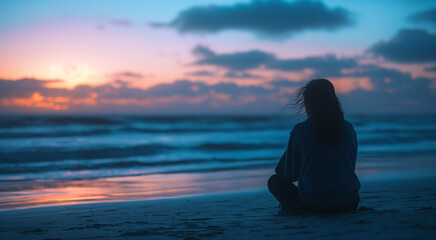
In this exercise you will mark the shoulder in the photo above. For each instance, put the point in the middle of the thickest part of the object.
(349, 125)
(349, 129)
(299, 127)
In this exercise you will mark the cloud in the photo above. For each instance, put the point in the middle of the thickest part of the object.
(345, 85)
(202, 51)
(201, 74)
(233, 61)
(241, 75)
(22, 87)
(427, 16)
(327, 65)
(128, 74)
(100, 27)
(408, 46)
(276, 18)
(121, 22)
(430, 69)
(391, 91)
(229, 74)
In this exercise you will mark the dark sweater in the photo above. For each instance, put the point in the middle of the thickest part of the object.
(325, 174)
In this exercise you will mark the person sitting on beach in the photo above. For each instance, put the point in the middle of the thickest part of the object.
(321, 156)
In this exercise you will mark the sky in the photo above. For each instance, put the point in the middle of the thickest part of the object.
(214, 57)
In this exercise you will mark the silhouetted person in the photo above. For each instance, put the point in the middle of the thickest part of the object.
(321, 156)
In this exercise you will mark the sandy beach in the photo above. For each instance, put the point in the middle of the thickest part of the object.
(396, 208)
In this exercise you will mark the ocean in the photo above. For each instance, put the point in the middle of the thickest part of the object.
(52, 160)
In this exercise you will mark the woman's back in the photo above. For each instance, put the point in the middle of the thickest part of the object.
(326, 172)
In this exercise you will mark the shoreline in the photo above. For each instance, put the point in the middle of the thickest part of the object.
(389, 209)
(420, 175)
(29, 194)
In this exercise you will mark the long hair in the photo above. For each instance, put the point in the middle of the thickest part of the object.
(322, 107)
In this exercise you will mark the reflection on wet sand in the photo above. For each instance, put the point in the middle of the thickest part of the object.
(47, 193)
(23, 194)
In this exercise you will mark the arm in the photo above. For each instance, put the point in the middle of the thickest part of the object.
(288, 166)
(355, 148)
(280, 169)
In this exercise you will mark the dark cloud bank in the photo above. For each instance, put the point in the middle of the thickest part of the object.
(392, 92)
(408, 46)
(274, 18)
(427, 16)
(328, 65)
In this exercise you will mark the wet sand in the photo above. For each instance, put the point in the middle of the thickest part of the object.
(396, 208)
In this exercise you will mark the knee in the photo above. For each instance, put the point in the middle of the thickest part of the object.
(272, 182)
